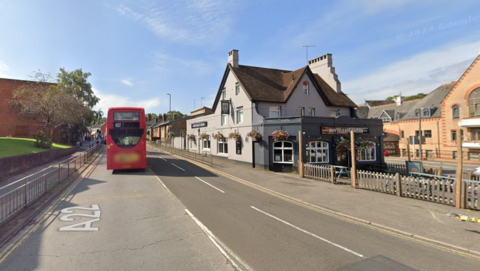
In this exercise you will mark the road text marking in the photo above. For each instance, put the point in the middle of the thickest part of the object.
(209, 184)
(87, 225)
(178, 167)
(309, 233)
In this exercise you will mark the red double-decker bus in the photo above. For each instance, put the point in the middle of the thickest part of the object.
(126, 138)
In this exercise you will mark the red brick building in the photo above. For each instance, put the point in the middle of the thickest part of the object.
(12, 124)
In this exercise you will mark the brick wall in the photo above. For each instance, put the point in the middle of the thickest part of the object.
(11, 124)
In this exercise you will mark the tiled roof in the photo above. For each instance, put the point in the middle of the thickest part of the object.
(273, 85)
(373, 103)
(406, 110)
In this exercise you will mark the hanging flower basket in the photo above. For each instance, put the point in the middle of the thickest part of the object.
(191, 137)
(343, 145)
(255, 135)
(365, 145)
(219, 136)
(234, 135)
(279, 135)
(203, 136)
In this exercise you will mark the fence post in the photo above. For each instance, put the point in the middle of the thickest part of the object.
(459, 196)
(353, 170)
(398, 180)
(332, 175)
(300, 154)
(26, 194)
(45, 181)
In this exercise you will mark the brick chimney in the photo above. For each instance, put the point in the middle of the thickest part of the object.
(233, 58)
(323, 66)
(174, 116)
(149, 117)
(164, 117)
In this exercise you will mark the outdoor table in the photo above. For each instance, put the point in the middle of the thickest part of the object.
(342, 170)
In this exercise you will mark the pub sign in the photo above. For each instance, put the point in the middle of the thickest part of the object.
(226, 107)
(343, 130)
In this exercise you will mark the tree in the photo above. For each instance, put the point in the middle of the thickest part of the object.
(76, 83)
(179, 114)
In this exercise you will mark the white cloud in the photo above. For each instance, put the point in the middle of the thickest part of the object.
(112, 100)
(4, 66)
(188, 21)
(421, 73)
(126, 82)
(165, 62)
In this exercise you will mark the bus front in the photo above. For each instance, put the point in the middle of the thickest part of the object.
(126, 138)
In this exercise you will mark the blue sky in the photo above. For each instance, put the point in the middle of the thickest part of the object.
(138, 51)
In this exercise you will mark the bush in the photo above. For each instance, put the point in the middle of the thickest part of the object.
(42, 141)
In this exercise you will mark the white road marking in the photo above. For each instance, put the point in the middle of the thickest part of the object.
(178, 167)
(163, 185)
(161, 182)
(219, 244)
(309, 233)
(162, 158)
(209, 184)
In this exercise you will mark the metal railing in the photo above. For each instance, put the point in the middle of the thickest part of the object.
(20, 194)
(206, 158)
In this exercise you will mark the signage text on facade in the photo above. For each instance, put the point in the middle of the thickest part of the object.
(343, 130)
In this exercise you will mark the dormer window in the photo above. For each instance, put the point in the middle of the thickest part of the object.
(305, 87)
(417, 114)
(426, 112)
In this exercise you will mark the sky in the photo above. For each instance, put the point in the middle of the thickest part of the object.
(138, 51)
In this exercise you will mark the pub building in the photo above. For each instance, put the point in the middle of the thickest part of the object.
(282, 105)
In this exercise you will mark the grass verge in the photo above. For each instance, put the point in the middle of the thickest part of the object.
(11, 146)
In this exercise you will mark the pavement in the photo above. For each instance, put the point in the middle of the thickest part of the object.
(405, 216)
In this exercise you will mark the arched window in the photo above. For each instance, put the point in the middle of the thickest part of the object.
(474, 103)
(283, 152)
(368, 153)
(455, 112)
(317, 152)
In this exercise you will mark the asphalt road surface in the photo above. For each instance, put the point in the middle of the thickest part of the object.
(140, 223)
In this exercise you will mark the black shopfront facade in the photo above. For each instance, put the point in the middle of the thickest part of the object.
(324, 141)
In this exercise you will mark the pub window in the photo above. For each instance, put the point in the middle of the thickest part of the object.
(473, 156)
(402, 134)
(206, 143)
(427, 133)
(453, 135)
(301, 111)
(224, 119)
(237, 88)
(224, 94)
(429, 153)
(275, 111)
(367, 154)
(223, 146)
(283, 152)
(311, 111)
(239, 114)
(454, 155)
(455, 112)
(475, 134)
(317, 152)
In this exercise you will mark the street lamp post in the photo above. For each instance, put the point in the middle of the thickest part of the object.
(169, 102)
(420, 132)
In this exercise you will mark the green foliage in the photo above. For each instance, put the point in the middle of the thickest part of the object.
(408, 98)
(42, 141)
(76, 83)
(179, 115)
(12, 146)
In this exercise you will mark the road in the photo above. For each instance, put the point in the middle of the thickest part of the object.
(143, 225)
